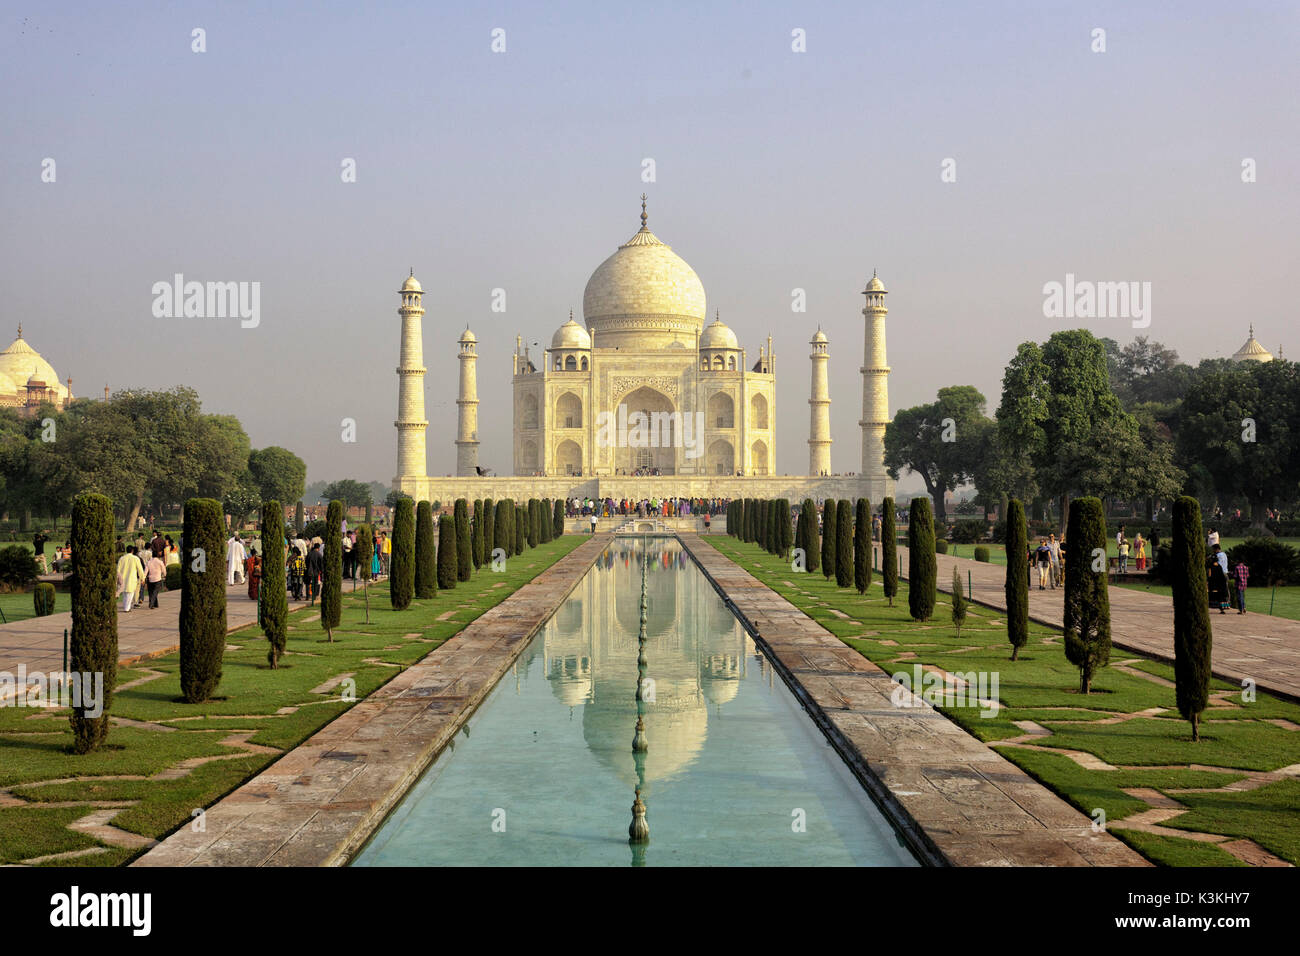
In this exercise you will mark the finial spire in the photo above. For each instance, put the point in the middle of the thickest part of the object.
(20, 330)
(1252, 329)
(412, 272)
(570, 315)
(644, 217)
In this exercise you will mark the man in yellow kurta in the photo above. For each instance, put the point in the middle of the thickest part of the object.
(129, 576)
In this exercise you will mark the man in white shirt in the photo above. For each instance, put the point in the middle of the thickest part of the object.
(235, 556)
(1212, 538)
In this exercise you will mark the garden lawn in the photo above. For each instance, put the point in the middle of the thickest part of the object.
(171, 758)
(1284, 602)
(1153, 751)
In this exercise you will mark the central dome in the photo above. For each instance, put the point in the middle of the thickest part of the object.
(644, 296)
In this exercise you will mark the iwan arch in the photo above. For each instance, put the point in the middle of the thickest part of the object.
(643, 399)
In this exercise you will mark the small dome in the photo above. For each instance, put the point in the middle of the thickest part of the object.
(875, 285)
(819, 337)
(1252, 351)
(571, 335)
(412, 284)
(20, 361)
(468, 336)
(718, 336)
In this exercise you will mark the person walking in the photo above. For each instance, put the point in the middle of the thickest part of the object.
(1044, 555)
(1218, 580)
(315, 568)
(1054, 548)
(1123, 556)
(235, 557)
(1140, 552)
(155, 573)
(1242, 574)
(388, 553)
(347, 555)
(128, 577)
(594, 519)
(254, 568)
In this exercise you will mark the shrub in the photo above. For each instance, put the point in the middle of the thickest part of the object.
(940, 546)
(203, 599)
(1270, 561)
(331, 592)
(426, 565)
(447, 564)
(43, 599)
(921, 568)
(862, 546)
(1017, 579)
(93, 644)
(1087, 603)
(314, 529)
(982, 553)
(17, 567)
(275, 604)
(1192, 637)
(173, 579)
(888, 549)
(968, 531)
(401, 565)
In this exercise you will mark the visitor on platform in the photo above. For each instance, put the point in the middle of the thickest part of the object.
(388, 553)
(128, 578)
(158, 544)
(297, 573)
(1054, 547)
(1242, 575)
(253, 568)
(1140, 552)
(1212, 538)
(155, 571)
(1044, 561)
(1123, 556)
(347, 555)
(235, 557)
(594, 519)
(1218, 580)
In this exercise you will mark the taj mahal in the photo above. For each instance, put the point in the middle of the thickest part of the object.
(642, 398)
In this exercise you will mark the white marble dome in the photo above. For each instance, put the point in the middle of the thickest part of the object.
(21, 363)
(718, 336)
(412, 284)
(571, 335)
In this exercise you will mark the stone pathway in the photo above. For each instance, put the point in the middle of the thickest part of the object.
(1250, 646)
(320, 802)
(957, 801)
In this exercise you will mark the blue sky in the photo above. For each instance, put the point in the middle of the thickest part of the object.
(775, 170)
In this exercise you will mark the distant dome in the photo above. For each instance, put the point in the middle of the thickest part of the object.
(21, 363)
(718, 336)
(412, 284)
(1252, 351)
(875, 285)
(467, 336)
(644, 295)
(571, 335)
(818, 337)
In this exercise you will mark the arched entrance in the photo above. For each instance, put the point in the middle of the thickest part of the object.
(653, 433)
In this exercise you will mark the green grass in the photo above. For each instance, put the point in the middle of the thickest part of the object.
(34, 744)
(19, 606)
(1284, 601)
(1042, 686)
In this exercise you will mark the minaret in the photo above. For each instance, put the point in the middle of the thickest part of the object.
(819, 429)
(411, 423)
(875, 385)
(467, 404)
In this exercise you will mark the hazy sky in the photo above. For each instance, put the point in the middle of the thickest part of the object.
(521, 170)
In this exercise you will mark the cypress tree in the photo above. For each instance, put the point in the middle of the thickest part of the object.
(464, 547)
(921, 567)
(787, 528)
(801, 539)
(958, 601)
(774, 526)
(812, 543)
(557, 520)
(1087, 603)
(862, 546)
(93, 645)
(448, 567)
(426, 564)
(489, 530)
(1017, 582)
(769, 526)
(843, 543)
(1193, 636)
(369, 509)
(888, 549)
(476, 534)
(753, 524)
(203, 599)
(545, 526)
(521, 522)
(297, 518)
(828, 538)
(505, 536)
(331, 592)
(401, 564)
(275, 604)
(365, 549)
(534, 530)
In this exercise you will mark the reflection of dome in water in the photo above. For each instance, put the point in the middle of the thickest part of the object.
(568, 654)
(675, 727)
(721, 676)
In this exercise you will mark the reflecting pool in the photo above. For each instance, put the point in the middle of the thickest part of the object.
(544, 774)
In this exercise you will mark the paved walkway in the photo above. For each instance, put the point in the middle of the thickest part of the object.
(957, 800)
(1250, 646)
(37, 643)
(318, 804)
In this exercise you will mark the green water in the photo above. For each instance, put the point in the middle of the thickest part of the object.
(543, 774)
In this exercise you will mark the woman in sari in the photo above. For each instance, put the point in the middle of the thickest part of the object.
(1218, 583)
(253, 571)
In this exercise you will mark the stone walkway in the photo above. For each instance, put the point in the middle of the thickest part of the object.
(319, 803)
(142, 634)
(1257, 647)
(958, 801)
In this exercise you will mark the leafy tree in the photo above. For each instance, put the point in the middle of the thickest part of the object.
(1016, 587)
(464, 556)
(940, 442)
(476, 534)
(274, 609)
(278, 473)
(353, 494)
(1087, 603)
(829, 526)
(888, 549)
(393, 497)
(447, 563)
(958, 602)
(862, 546)
(426, 565)
(921, 567)
(93, 646)
(401, 581)
(331, 593)
(203, 599)
(844, 543)
(242, 498)
(1192, 634)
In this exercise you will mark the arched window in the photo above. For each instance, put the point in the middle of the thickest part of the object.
(568, 411)
(731, 363)
(758, 458)
(717, 363)
(529, 416)
(584, 363)
(758, 412)
(568, 458)
(704, 363)
(570, 363)
(722, 411)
